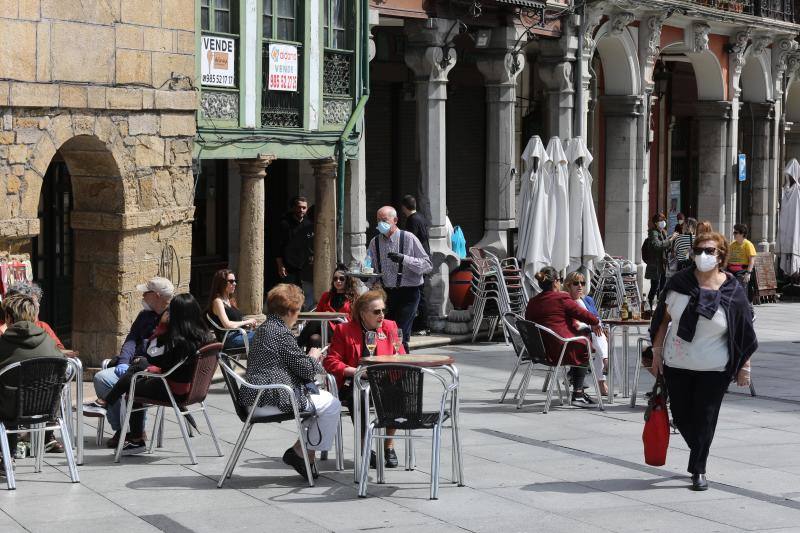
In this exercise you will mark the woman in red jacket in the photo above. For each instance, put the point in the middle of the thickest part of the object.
(557, 311)
(337, 299)
(348, 346)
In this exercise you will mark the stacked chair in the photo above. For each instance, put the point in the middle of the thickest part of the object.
(498, 288)
(614, 282)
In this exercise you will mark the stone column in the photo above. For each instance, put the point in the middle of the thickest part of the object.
(500, 68)
(429, 57)
(713, 165)
(251, 234)
(760, 171)
(557, 78)
(324, 224)
(622, 197)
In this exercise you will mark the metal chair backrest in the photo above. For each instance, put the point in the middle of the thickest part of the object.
(397, 392)
(219, 331)
(205, 363)
(228, 366)
(37, 384)
(534, 344)
(510, 322)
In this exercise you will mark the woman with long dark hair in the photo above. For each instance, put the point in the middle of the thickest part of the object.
(186, 332)
(223, 310)
(338, 299)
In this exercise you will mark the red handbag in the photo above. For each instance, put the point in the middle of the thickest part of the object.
(655, 435)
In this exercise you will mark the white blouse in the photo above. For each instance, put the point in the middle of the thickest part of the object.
(708, 350)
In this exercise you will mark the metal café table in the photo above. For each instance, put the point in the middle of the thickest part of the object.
(324, 318)
(624, 326)
(444, 362)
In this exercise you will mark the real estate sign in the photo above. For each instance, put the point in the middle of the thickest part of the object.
(282, 67)
(217, 60)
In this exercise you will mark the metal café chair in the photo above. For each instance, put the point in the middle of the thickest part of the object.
(204, 365)
(222, 336)
(234, 383)
(38, 384)
(523, 359)
(397, 396)
(532, 336)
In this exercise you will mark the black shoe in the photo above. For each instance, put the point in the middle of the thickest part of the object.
(52, 445)
(113, 441)
(699, 482)
(291, 458)
(582, 400)
(391, 458)
(133, 447)
(314, 471)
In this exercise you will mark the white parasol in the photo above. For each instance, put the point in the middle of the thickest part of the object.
(532, 251)
(788, 243)
(585, 241)
(558, 214)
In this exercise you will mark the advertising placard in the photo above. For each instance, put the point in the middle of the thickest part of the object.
(282, 67)
(217, 60)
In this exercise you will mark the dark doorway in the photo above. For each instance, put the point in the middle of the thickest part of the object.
(277, 205)
(52, 256)
(210, 226)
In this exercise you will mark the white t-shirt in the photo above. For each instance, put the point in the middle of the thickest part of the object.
(708, 351)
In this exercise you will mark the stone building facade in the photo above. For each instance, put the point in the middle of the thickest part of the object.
(105, 92)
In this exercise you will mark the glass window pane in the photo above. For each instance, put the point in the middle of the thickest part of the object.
(338, 13)
(223, 4)
(205, 3)
(267, 27)
(267, 7)
(286, 29)
(340, 40)
(204, 18)
(222, 22)
(286, 8)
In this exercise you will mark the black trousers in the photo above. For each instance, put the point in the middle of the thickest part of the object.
(401, 306)
(421, 321)
(655, 287)
(152, 388)
(695, 398)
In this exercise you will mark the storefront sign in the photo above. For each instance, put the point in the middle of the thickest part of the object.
(217, 60)
(282, 67)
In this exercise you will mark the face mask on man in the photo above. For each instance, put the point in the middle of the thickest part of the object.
(383, 227)
(705, 262)
(661, 224)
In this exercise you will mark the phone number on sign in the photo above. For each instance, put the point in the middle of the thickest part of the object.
(217, 79)
(282, 81)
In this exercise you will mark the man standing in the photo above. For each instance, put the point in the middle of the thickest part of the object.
(418, 226)
(402, 261)
(156, 295)
(295, 258)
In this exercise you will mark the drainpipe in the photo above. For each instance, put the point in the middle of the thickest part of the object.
(348, 129)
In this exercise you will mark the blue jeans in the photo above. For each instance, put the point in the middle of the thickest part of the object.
(235, 339)
(104, 381)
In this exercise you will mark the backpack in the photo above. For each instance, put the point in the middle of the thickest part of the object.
(648, 255)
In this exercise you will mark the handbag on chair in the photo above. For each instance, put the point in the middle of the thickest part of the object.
(655, 435)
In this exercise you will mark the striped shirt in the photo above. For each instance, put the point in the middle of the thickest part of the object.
(416, 262)
(682, 246)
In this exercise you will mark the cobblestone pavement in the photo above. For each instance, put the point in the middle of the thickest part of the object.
(570, 470)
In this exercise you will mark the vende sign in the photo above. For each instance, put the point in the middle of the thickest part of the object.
(217, 61)
(282, 67)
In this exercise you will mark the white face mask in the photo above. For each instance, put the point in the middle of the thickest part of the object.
(661, 224)
(146, 306)
(705, 263)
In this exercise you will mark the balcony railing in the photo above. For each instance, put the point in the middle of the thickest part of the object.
(774, 9)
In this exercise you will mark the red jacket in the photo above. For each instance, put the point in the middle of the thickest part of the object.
(557, 311)
(346, 345)
(324, 305)
(47, 329)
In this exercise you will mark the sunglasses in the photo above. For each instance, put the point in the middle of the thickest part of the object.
(339, 278)
(578, 283)
(707, 251)
(231, 281)
(378, 312)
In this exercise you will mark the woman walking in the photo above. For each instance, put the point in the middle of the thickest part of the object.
(702, 338)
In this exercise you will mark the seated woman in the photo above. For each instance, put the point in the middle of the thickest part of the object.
(575, 283)
(555, 310)
(348, 346)
(222, 309)
(337, 299)
(179, 339)
(276, 358)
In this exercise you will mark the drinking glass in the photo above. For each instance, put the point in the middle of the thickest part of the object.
(398, 341)
(371, 340)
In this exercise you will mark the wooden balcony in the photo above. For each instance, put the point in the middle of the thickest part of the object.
(783, 10)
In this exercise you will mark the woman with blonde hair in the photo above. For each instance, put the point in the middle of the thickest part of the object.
(575, 285)
(349, 345)
(274, 358)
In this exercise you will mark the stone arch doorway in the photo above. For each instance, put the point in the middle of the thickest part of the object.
(79, 257)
